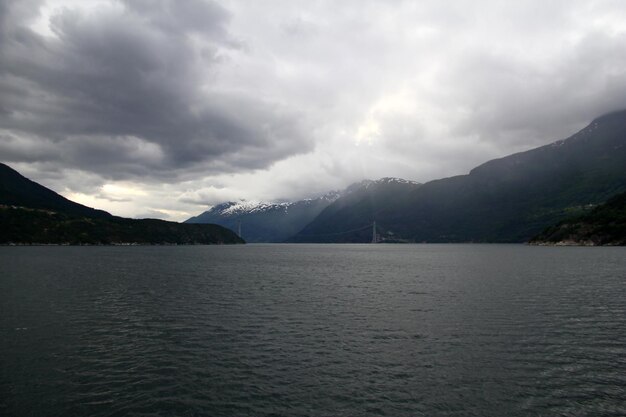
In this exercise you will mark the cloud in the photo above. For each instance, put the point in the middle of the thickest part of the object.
(129, 90)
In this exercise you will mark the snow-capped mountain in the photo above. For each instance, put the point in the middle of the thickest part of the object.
(276, 222)
(266, 222)
(242, 207)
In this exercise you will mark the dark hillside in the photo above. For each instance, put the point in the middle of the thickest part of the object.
(33, 214)
(17, 190)
(604, 225)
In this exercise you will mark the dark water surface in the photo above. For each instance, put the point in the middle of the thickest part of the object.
(319, 330)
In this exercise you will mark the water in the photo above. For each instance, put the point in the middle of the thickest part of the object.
(313, 330)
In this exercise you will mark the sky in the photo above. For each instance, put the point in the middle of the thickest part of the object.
(163, 108)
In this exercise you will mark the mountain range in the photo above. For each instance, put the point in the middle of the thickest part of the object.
(266, 222)
(509, 199)
(277, 222)
(33, 214)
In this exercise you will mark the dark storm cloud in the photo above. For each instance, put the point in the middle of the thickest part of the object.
(181, 17)
(128, 91)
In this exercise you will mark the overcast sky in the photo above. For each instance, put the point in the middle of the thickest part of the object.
(161, 108)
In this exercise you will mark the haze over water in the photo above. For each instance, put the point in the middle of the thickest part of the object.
(313, 330)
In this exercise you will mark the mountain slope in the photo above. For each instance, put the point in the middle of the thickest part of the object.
(604, 225)
(356, 210)
(265, 222)
(33, 214)
(16, 190)
(504, 200)
(20, 225)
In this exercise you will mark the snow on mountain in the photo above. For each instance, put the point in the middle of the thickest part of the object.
(276, 221)
(393, 180)
(241, 207)
(244, 207)
(238, 208)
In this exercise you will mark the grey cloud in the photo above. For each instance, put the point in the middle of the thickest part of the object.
(122, 79)
(153, 214)
(112, 199)
(180, 17)
(523, 103)
(208, 196)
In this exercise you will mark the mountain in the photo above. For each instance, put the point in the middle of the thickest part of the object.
(33, 214)
(19, 225)
(349, 218)
(604, 225)
(16, 190)
(510, 199)
(266, 222)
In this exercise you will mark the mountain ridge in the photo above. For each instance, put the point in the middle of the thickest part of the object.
(275, 222)
(353, 209)
(17, 190)
(508, 199)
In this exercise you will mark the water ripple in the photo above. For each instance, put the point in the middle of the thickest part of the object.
(313, 330)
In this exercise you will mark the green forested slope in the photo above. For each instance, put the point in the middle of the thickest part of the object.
(604, 225)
